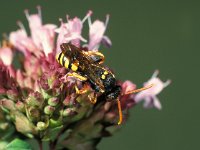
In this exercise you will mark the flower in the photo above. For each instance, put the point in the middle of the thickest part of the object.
(150, 95)
(21, 41)
(42, 35)
(39, 100)
(96, 34)
(71, 31)
(127, 101)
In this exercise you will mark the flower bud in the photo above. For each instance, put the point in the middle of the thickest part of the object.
(53, 101)
(35, 99)
(41, 126)
(69, 111)
(49, 110)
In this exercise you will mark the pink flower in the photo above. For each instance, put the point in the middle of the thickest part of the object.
(42, 35)
(6, 55)
(71, 31)
(21, 41)
(127, 101)
(62, 31)
(149, 95)
(96, 34)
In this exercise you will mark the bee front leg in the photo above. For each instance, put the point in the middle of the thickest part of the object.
(77, 76)
(81, 78)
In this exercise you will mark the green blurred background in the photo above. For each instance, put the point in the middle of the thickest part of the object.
(146, 35)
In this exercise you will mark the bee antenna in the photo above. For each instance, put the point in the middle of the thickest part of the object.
(138, 90)
(120, 112)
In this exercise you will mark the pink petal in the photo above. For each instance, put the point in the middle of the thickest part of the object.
(158, 86)
(141, 96)
(96, 33)
(62, 30)
(127, 86)
(21, 41)
(106, 41)
(157, 103)
(6, 55)
(148, 103)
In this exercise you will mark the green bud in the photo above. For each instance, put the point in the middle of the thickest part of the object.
(53, 101)
(55, 123)
(49, 110)
(41, 126)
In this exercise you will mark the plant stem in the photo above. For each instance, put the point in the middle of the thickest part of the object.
(40, 144)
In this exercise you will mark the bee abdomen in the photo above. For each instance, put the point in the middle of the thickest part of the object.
(64, 61)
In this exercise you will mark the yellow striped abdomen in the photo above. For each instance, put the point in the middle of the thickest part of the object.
(65, 62)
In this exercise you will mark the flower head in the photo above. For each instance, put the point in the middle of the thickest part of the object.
(42, 35)
(71, 31)
(96, 34)
(40, 99)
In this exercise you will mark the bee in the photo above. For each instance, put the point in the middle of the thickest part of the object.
(88, 66)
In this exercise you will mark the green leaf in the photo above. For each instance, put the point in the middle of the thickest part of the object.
(18, 144)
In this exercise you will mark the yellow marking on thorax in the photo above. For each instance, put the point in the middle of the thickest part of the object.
(103, 76)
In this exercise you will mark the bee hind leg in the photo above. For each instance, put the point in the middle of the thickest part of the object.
(93, 98)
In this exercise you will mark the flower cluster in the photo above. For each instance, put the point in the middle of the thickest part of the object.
(38, 100)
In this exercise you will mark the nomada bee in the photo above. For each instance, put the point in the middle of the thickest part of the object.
(88, 66)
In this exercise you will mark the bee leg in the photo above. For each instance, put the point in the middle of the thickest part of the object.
(93, 98)
(82, 91)
(77, 76)
(81, 78)
(95, 56)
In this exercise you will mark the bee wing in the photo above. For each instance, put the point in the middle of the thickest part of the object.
(94, 77)
(96, 57)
